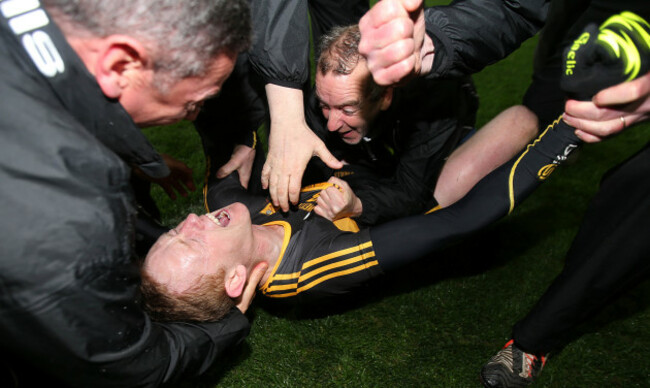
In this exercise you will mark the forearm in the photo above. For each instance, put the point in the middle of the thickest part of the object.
(285, 107)
(472, 34)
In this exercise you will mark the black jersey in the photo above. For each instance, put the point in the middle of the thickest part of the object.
(319, 258)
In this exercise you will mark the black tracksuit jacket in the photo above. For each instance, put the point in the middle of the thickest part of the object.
(69, 304)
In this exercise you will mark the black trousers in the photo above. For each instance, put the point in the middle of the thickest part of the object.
(610, 253)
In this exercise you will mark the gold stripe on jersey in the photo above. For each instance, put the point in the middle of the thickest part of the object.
(335, 255)
(285, 244)
(205, 183)
(314, 272)
(331, 276)
(337, 264)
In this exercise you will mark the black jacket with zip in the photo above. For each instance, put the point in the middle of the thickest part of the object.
(69, 300)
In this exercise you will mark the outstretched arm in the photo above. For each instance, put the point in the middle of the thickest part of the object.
(461, 38)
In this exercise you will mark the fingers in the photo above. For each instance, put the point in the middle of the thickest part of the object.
(592, 131)
(244, 178)
(284, 186)
(226, 169)
(331, 203)
(286, 191)
(390, 51)
(387, 10)
(295, 182)
(587, 137)
(326, 156)
(595, 122)
(325, 204)
(342, 185)
(281, 191)
(266, 175)
(624, 93)
(322, 208)
(392, 33)
(245, 300)
(610, 111)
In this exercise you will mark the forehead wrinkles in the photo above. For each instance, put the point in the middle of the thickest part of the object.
(339, 96)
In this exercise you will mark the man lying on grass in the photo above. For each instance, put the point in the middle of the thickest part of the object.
(195, 271)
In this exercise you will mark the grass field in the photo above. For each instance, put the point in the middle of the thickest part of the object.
(435, 323)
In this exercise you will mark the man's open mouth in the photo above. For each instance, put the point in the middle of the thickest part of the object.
(221, 218)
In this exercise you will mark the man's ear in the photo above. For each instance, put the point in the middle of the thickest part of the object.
(235, 281)
(118, 62)
(387, 98)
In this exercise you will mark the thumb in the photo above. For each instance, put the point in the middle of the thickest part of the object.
(411, 5)
(326, 156)
(337, 181)
(225, 170)
(244, 179)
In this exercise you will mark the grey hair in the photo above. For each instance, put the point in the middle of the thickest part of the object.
(338, 52)
(183, 37)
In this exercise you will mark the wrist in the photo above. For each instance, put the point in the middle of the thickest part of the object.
(285, 105)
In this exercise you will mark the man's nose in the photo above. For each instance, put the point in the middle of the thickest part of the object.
(191, 222)
(334, 121)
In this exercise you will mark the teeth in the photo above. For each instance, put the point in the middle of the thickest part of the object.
(212, 218)
(217, 219)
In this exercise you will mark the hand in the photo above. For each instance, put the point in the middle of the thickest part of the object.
(246, 298)
(394, 41)
(601, 117)
(241, 161)
(339, 202)
(291, 145)
(179, 179)
(596, 66)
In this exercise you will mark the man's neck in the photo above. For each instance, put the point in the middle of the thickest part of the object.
(269, 240)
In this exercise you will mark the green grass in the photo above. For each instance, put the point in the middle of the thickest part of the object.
(434, 324)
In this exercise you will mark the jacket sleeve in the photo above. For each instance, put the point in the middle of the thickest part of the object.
(280, 50)
(469, 35)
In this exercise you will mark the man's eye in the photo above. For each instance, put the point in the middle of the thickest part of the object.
(349, 112)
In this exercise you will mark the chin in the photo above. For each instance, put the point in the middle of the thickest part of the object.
(238, 208)
(352, 141)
